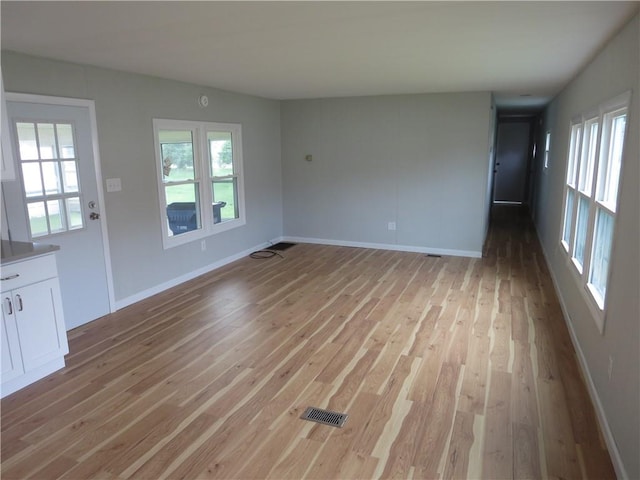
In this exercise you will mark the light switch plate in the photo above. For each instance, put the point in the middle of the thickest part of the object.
(114, 185)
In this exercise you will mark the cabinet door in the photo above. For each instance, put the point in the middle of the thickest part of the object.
(38, 311)
(11, 366)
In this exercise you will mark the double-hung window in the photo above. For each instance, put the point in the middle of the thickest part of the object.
(594, 164)
(200, 182)
(547, 147)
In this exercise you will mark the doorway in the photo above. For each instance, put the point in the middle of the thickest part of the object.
(514, 153)
(58, 198)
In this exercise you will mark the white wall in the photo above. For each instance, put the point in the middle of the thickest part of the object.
(614, 71)
(488, 199)
(417, 160)
(125, 106)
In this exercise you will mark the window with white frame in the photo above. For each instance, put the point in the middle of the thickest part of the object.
(200, 182)
(594, 164)
(547, 146)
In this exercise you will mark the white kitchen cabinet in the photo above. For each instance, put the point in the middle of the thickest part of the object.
(11, 356)
(34, 339)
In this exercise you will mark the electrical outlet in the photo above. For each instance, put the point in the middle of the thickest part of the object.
(610, 370)
(391, 226)
(203, 245)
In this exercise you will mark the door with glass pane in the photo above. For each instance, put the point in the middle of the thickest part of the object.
(54, 155)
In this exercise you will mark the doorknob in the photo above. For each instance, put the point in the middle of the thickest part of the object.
(94, 216)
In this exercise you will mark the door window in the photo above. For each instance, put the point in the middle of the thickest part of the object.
(49, 167)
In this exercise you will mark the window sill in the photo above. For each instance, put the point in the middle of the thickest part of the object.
(576, 264)
(591, 298)
(596, 296)
(595, 303)
(192, 236)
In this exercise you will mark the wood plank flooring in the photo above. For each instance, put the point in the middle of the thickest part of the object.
(448, 368)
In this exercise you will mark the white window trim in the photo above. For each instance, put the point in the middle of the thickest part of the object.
(595, 303)
(203, 176)
(547, 151)
(568, 247)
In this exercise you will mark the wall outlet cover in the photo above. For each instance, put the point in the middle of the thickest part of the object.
(114, 185)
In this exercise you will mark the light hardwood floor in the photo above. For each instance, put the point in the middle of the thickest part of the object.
(448, 368)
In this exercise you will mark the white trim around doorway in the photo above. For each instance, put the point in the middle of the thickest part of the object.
(90, 105)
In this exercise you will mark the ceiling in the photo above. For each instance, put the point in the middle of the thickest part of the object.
(524, 52)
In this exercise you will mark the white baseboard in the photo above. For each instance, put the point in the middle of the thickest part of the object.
(125, 302)
(618, 465)
(385, 246)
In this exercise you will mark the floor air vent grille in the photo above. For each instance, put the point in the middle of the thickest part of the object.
(281, 246)
(324, 416)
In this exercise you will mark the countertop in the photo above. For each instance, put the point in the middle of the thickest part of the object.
(13, 251)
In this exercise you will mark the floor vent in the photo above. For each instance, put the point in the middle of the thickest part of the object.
(324, 416)
(281, 246)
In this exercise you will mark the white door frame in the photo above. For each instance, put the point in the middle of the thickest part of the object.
(91, 106)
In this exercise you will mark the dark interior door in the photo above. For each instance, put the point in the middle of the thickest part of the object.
(512, 158)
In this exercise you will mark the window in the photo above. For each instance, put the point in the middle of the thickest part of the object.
(49, 167)
(574, 148)
(594, 164)
(547, 147)
(198, 164)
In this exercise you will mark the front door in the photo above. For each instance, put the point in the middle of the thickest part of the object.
(60, 200)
